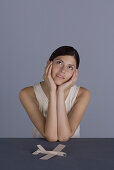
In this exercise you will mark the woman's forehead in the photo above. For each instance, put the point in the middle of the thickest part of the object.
(67, 59)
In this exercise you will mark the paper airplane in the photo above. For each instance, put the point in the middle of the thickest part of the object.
(50, 154)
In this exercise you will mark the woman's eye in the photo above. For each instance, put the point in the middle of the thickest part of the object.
(58, 61)
(71, 67)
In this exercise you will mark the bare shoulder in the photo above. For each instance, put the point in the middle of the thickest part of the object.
(29, 91)
(83, 92)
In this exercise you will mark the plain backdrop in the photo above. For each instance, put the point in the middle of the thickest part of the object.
(30, 31)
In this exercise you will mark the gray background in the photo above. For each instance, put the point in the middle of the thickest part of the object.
(30, 31)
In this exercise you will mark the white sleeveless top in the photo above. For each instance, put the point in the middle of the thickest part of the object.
(43, 106)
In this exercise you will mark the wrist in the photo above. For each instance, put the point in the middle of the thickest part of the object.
(52, 93)
(60, 90)
(60, 94)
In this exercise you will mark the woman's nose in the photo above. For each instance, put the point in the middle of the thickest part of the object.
(63, 69)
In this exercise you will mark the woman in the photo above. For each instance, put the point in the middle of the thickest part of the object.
(56, 105)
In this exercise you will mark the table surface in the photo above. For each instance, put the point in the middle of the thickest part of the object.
(82, 154)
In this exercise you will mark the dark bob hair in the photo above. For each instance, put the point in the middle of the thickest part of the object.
(66, 50)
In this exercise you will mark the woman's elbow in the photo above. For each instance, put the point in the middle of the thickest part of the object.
(51, 139)
(64, 139)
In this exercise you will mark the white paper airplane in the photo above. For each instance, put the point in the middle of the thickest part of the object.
(50, 154)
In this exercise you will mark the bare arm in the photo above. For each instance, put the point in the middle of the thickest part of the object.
(51, 120)
(67, 125)
(63, 126)
(31, 106)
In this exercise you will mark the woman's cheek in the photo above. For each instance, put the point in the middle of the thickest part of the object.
(69, 77)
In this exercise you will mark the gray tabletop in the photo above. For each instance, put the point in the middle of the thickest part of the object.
(82, 154)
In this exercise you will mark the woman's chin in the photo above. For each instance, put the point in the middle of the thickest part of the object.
(58, 82)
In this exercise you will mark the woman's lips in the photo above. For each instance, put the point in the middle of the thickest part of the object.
(60, 76)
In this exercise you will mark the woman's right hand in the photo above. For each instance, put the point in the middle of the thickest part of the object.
(48, 78)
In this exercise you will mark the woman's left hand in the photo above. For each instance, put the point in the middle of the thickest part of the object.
(69, 83)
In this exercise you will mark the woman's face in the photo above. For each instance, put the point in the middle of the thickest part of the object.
(63, 66)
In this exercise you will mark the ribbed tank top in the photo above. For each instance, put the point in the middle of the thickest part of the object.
(43, 106)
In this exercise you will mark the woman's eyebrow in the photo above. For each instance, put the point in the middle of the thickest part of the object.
(63, 61)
